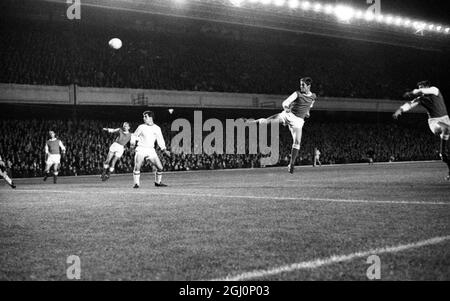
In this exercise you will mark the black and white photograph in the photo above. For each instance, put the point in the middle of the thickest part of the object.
(246, 143)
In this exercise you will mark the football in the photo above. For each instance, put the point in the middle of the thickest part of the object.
(115, 43)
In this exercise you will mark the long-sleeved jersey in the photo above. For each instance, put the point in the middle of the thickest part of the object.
(432, 100)
(52, 147)
(146, 136)
(301, 105)
(123, 137)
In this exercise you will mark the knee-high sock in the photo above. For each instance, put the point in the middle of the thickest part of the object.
(136, 177)
(294, 153)
(158, 177)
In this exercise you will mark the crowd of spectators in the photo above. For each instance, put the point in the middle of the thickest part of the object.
(22, 146)
(60, 54)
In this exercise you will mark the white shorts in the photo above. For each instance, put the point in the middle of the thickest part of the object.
(117, 149)
(53, 159)
(146, 152)
(435, 127)
(291, 120)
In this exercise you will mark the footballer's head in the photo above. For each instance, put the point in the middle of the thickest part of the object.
(51, 134)
(148, 116)
(305, 84)
(126, 126)
(424, 84)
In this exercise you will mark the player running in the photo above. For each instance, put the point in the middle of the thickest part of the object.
(145, 136)
(116, 149)
(296, 109)
(4, 174)
(53, 155)
(432, 100)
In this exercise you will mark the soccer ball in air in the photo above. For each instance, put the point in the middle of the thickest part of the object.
(115, 43)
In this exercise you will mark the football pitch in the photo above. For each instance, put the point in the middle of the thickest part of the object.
(320, 223)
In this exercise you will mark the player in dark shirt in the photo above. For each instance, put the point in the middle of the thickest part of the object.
(432, 100)
(296, 109)
(53, 150)
(116, 149)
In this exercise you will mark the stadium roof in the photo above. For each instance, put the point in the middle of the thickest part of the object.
(312, 17)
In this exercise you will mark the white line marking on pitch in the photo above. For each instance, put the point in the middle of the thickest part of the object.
(313, 264)
(149, 193)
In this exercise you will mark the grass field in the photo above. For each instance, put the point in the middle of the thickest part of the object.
(256, 224)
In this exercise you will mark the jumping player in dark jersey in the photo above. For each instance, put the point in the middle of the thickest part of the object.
(4, 174)
(116, 149)
(53, 155)
(432, 100)
(296, 109)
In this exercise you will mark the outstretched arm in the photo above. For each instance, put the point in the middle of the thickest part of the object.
(406, 107)
(111, 130)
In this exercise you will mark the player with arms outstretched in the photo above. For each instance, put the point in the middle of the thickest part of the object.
(432, 100)
(145, 136)
(116, 149)
(53, 155)
(4, 174)
(296, 109)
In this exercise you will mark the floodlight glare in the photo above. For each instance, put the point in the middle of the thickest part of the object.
(266, 2)
(306, 5)
(359, 14)
(379, 18)
(398, 21)
(317, 7)
(279, 2)
(328, 9)
(369, 16)
(293, 3)
(236, 2)
(344, 13)
(389, 19)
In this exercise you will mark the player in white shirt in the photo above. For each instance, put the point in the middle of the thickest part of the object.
(145, 136)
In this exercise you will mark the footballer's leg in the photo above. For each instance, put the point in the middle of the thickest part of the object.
(113, 164)
(444, 152)
(106, 165)
(7, 179)
(55, 172)
(138, 160)
(47, 170)
(296, 140)
(265, 120)
(159, 170)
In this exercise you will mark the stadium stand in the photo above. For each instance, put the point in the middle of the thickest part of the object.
(87, 146)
